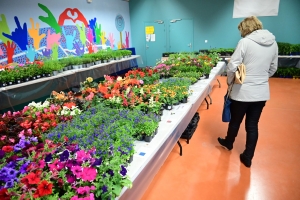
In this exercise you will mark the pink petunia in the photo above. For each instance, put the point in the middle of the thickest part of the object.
(29, 131)
(21, 134)
(70, 178)
(74, 198)
(41, 164)
(77, 171)
(3, 137)
(53, 166)
(90, 97)
(82, 155)
(12, 140)
(25, 109)
(89, 174)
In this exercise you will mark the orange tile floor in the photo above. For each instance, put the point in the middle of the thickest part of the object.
(208, 172)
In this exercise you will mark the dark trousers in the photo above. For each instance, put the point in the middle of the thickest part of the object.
(238, 110)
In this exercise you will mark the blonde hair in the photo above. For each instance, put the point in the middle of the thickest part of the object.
(248, 25)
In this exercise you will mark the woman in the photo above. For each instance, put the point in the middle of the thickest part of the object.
(259, 52)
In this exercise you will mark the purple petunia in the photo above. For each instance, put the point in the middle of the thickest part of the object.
(23, 167)
(2, 154)
(123, 171)
(48, 158)
(104, 188)
(97, 162)
(9, 184)
(64, 156)
(111, 172)
(11, 164)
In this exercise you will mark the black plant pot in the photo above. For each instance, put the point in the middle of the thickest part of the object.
(33, 77)
(140, 137)
(3, 84)
(168, 107)
(176, 103)
(26, 79)
(184, 100)
(130, 159)
(206, 76)
(148, 138)
(10, 82)
(18, 81)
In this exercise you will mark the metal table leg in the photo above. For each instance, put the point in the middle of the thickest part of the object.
(180, 148)
(207, 103)
(210, 99)
(219, 83)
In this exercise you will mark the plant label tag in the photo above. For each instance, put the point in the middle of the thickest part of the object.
(142, 153)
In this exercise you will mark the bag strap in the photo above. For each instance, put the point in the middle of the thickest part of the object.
(229, 89)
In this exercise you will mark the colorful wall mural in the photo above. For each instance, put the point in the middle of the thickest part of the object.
(66, 33)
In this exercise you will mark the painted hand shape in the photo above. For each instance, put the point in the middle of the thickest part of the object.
(50, 19)
(127, 39)
(78, 51)
(103, 38)
(4, 28)
(95, 48)
(69, 39)
(92, 26)
(20, 35)
(111, 40)
(90, 35)
(121, 46)
(55, 52)
(72, 14)
(34, 33)
(90, 48)
(30, 53)
(82, 33)
(52, 39)
(46, 52)
(10, 50)
(98, 33)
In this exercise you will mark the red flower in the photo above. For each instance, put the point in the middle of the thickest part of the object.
(4, 195)
(7, 149)
(44, 188)
(33, 178)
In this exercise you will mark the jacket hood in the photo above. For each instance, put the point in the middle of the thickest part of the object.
(262, 37)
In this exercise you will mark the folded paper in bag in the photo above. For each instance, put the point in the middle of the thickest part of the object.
(240, 74)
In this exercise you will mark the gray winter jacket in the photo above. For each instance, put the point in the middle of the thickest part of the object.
(259, 52)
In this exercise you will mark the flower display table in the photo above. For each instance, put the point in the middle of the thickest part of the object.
(149, 157)
(27, 91)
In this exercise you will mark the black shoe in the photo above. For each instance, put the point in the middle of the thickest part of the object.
(245, 161)
(224, 144)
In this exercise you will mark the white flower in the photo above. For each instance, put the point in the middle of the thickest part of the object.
(142, 91)
(119, 78)
(127, 90)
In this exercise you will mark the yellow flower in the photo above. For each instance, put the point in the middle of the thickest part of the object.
(89, 79)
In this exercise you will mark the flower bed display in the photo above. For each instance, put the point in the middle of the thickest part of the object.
(77, 146)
